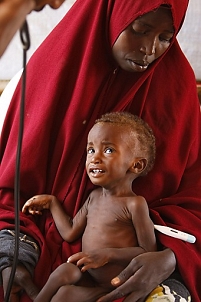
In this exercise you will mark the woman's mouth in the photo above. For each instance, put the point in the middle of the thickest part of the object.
(138, 66)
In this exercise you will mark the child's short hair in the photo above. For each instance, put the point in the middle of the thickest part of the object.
(140, 128)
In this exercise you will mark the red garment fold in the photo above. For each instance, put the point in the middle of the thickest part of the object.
(72, 79)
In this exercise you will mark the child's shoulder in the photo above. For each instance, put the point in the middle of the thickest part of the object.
(138, 199)
(93, 196)
(137, 203)
(96, 192)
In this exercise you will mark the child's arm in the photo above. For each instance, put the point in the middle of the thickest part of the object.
(69, 229)
(100, 257)
(143, 224)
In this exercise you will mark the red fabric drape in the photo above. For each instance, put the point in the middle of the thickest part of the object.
(71, 80)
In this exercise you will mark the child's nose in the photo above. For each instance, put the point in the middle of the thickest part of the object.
(96, 159)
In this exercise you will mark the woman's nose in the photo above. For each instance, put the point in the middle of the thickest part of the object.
(149, 48)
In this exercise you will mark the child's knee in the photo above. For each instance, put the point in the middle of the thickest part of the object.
(66, 273)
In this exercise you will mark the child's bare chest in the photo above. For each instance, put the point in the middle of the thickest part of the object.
(109, 225)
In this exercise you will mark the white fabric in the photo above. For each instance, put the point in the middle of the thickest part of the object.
(7, 95)
(189, 37)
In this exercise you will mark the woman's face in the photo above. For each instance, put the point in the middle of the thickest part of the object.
(144, 40)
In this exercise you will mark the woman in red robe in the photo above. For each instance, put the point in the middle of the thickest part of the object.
(72, 79)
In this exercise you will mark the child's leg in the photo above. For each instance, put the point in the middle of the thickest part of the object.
(66, 273)
(75, 293)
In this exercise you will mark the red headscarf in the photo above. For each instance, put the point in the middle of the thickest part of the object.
(71, 80)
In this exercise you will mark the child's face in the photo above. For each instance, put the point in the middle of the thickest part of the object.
(144, 40)
(110, 154)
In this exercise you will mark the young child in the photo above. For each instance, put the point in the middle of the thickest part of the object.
(114, 222)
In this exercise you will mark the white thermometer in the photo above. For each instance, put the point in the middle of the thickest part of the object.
(175, 233)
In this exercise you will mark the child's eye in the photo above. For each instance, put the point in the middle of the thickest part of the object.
(108, 150)
(90, 151)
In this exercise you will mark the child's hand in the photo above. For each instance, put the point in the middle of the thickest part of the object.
(92, 259)
(36, 204)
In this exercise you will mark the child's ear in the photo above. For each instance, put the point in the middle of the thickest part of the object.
(138, 165)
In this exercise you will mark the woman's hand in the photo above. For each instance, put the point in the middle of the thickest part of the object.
(142, 275)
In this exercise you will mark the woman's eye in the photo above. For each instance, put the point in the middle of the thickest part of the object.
(138, 28)
(138, 32)
(165, 39)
